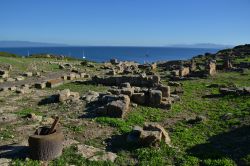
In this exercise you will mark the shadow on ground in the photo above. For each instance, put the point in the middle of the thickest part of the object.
(13, 151)
(234, 144)
(119, 143)
(49, 100)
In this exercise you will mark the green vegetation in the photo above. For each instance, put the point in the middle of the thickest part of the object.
(196, 142)
(75, 128)
(27, 111)
(137, 116)
(6, 133)
(6, 54)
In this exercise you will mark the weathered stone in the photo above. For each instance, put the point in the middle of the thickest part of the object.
(114, 61)
(27, 74)
(64, 95)
(197, 119)
(77, 76)
(165, 104)
(118, 108)
(111, 72)
(12, 88)
(192, 66)
(91, 96)
(38, 74)
(71, 76)
(41, 85)
(153, 66)
(150, 135)
(5, 161)
(82, 75)
(147, 81)
(61, 66)
(115, 91)
(64, 77)
(127, 91)
(95, 154)
(86, 76)
(23, 90)
(184, 71)
(211, 68)
(155, 97)
(173, 83)
(126, 85)
(3, 72)
(34, 117)
(175, 98)
(139, 98)
(19, 78)
(54, 83)
(165, 90)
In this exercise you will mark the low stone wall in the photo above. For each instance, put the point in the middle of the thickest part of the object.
(141, 81)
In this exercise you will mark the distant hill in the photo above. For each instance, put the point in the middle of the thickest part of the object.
(28, 44)
(202, 45)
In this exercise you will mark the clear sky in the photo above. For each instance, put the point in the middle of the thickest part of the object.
(126, 22)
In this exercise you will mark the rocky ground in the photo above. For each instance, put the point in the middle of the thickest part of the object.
(206, 124)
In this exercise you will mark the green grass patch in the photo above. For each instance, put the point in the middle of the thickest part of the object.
(137, 116)
(27, 111)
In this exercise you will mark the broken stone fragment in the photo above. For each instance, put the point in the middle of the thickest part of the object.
(127, 91)
(13, 88)
(19, 78)
(126, 85)
(139, 98)
(41, 85)
(91, 96)
(155, 97)
(23, 90)
(118, 108)
(71, 76)
(95, 154)
(150, 135)
(64, 95)
(165, 90)
(54, 83)
(27, 74)
(34, 117)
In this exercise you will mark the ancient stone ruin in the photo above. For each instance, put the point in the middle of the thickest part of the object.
(115, 106)
(211, 67)
(150, 134)
(235, 91)
(134, 80)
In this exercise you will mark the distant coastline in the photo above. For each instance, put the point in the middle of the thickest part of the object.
(104, 53)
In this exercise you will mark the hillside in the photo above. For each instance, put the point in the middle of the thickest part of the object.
(206, 124)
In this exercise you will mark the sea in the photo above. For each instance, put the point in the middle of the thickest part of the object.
(104, 53)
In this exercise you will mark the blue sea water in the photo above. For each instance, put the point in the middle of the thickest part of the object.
(101, 54)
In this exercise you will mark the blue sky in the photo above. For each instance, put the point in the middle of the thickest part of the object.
(126, 22)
